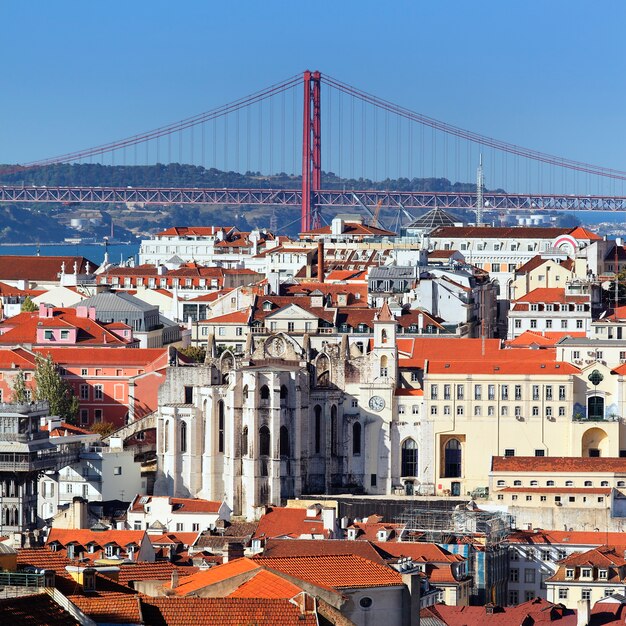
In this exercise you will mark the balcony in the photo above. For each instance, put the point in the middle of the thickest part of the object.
(16, 462)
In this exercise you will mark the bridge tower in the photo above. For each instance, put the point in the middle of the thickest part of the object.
(311, 150)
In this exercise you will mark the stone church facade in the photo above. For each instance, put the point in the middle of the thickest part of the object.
(283, 420)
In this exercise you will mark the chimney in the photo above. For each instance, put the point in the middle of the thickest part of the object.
(320, 261)
(411, 605)
(174, 579)
(583, 614)
(231, 551)
(80, 513)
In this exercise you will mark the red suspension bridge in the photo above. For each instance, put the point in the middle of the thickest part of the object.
(366, 139)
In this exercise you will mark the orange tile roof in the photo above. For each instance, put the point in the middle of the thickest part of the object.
(350, 228)
(346, 571)
(418, 551)
(198, 231)
(491, 232)
(108, 609)
(584, 233)
(546, 464)
(179, 505)
(236, 317)
(321, 547)
(537, 611)
(543, 339)
(409, 392)
(16, 357)
(185, 538)
(34, 610)
(101, 537)
(551, 295)
(22, 328)
(601, 556)
(265, 584)
(205, 578)
(65, 429)
(104, 356)
(41, 268)
(285, 521)
(556, 537)
(160, 570)
(224, 612)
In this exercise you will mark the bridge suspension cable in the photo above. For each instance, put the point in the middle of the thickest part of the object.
(471, 136)
(176, 127)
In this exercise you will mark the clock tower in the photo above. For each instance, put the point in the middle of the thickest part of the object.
(385, 350)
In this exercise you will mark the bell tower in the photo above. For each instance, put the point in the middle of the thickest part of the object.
(385, 351)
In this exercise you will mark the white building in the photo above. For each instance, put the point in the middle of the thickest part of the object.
(167, 514)
(101, 474)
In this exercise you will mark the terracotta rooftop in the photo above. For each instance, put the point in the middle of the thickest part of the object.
(537, 611)
(35, 610)
(289, 522)
(179, 505)
(265, 584)
(205, 578)
(223, 612)
(110, 609)
(338, 571)
(491, 232)
(548, 464)
(543, 339)
(41, 268)
(551, 295)
(321, 547)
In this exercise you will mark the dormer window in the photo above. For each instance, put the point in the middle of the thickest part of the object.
(569, 573)
(267, 305)
(351, 533)
(603, 574)
(91, 548)
(585, 572)
(111, 550)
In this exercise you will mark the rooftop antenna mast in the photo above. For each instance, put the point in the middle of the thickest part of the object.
(480, 184)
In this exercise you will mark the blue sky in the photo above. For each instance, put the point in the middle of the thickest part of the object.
(545, 74)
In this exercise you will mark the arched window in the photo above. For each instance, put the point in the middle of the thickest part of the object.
(383, 366)
(333, 430)
(409, 457)
(220, 426)
(284, 441)
(452, 459)
(264, 441)
(356, 438)
(534, 483)
(284, 393)
(244, 441)
(245, 393)
(166, 438)
(588, 483)
(265, 392)
(501, 483)
(383, 336)
(183, 437)
(517, 483)
(550, 483)
(569, 483)
(595, 408)
(318, 427)
(322, 367)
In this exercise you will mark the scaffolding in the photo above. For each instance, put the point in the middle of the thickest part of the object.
(465, 522)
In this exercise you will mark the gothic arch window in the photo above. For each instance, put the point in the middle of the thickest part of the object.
(220, 426)
(166, 437)
(284, 392)
(452, 459)
(265, 392)
(183, 437)
(333, 430)
(244, 441)
(323, 371)
(318, 427)
(284, 441)
(356, 438)
(264, 441)
(409, 458)
(383, 336)
(245, 393)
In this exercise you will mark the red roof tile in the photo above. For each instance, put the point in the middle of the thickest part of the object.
(110, 609)
(545, 464)
(289, 522)
(41, 268)
(338, 571)
(224, 612)
(265, 584)
(34, 610)
(321, 547)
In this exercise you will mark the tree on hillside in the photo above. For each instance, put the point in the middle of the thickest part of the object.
(620, 285)
(196, 353)
(19, 388)
(28, 305)
(52, 388)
